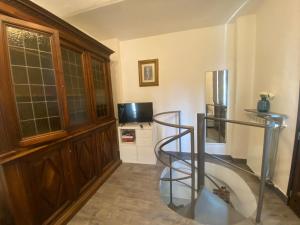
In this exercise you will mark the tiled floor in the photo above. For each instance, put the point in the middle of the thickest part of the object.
(131, 197)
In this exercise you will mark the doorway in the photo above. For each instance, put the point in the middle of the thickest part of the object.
(294, 183)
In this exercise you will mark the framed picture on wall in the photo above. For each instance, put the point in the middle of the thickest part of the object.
(148, 72)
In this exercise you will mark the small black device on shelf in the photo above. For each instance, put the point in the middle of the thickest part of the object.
(135, 112)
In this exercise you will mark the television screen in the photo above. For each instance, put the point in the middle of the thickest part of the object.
(135, 112)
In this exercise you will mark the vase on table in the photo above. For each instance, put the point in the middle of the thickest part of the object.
(263, 105)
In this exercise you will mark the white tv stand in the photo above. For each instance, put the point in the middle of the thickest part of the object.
(136, 142)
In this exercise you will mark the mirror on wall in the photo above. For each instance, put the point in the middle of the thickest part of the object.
(216, 94)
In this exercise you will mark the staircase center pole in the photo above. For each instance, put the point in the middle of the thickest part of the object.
(179, 130)
(171, 184)
(200, 149)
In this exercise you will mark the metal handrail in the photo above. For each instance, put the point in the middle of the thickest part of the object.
(162, 143)
(170, 155)
(236, 122)
(230, 164)
(217, 105)
(170, 124)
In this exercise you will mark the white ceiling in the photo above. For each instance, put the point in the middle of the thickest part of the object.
(67, 8)
(129, 19)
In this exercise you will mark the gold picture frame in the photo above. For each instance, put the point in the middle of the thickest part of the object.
(148, 72)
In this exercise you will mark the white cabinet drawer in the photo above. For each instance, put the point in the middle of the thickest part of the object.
(144, 141)
(144, 133)
(144, 137)
(128, 153)
(146, 155)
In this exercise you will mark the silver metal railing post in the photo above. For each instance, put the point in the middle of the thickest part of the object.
(219, 131)
(171, 184)
(264, 168)
(179, 123)
(193, 175)
(200, 150)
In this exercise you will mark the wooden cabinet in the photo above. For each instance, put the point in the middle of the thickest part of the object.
(57, 127)
(52, 183)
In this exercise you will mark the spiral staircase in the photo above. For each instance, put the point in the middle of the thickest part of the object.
(191, 183)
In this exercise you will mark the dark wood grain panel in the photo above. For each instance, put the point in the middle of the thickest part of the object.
(5, 215)
(113, 137)
(83, 162)
(19, 199)
(293, 192)
(4, 143)
(294, 200)
(46, 179)
(106, 147)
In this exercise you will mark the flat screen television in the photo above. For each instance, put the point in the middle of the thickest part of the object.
(135, 112)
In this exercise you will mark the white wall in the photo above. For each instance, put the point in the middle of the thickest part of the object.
(245, 36)
(278, 71)
(184, 57)
(209, 91)
(268, 59)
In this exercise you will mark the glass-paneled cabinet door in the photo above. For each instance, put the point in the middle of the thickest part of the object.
(100, 87)
(75, 85)
(33, 74)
